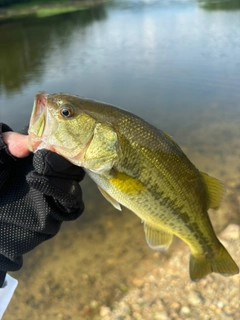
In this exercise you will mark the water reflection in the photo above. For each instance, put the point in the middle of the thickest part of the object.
(172, 53)
(26, 44)
(206, 4)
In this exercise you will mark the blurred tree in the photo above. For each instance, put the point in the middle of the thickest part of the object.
(7, 3)
(220, 4)
(22, 52)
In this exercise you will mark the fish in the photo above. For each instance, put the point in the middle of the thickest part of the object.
(140, 167)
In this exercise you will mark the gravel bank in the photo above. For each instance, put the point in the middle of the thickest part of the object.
(167, 293)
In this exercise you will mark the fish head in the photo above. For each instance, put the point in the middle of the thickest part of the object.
(60, 124)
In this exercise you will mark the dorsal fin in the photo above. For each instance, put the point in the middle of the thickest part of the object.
(215, 190)
(171, 139)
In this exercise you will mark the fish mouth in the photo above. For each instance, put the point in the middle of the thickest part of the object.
(38, 120)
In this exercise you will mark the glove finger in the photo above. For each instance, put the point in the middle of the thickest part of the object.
(2, 278)
(50, 163)
(66, 192)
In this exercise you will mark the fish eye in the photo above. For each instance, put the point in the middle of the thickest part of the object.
(66, 111)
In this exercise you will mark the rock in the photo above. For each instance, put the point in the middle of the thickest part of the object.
(104, 311)
(232, 232)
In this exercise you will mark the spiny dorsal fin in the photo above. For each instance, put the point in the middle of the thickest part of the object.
(215, 190)
(157, 239)
(110, 199)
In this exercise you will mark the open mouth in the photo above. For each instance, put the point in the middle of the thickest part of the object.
(38, 120)
(38, 117)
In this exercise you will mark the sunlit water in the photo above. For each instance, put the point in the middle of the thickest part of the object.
(175, 64)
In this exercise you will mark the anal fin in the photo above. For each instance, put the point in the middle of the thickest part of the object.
(110, 199)
(157, 239)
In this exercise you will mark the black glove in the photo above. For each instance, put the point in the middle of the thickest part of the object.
(37, 194)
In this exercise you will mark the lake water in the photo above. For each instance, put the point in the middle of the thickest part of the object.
(174, 63)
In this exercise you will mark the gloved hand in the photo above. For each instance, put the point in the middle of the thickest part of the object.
(37, 194)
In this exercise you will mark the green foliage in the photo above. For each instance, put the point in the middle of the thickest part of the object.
(220, 4)
(45, 12)
(8, 3)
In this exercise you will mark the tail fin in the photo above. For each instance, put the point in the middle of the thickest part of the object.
(221, 263)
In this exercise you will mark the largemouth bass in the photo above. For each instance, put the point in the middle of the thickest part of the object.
(140, 167)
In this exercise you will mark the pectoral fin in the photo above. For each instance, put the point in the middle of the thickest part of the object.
(157, 239)
(110, 199)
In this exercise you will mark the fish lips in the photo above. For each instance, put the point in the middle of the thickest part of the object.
(37, 126)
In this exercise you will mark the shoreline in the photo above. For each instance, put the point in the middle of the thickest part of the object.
(46, 10)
